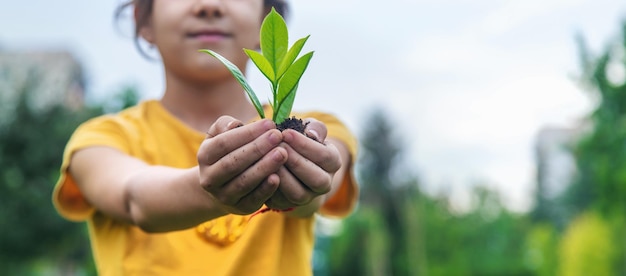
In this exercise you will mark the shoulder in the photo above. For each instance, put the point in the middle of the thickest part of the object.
(124, 119)
(114, 130)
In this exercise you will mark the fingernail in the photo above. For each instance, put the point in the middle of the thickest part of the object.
(278, 156)
(274, 138)
(269, 124)
(234, 124)
(313, 134)
(287, 136)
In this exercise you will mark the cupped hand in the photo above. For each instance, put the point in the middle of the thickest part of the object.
(309, 169)
(239, 163)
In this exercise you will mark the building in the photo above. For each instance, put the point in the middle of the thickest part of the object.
(556, 169)
(48, 79)
(555, 164)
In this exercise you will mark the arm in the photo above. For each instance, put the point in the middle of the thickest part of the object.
(235, 173)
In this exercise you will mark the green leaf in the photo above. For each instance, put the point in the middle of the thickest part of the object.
(292, 76)
(274, 39)
(261, 62)
(241, 79)
(292, 54)
(284, 109)
(277, 62)
(288, 84)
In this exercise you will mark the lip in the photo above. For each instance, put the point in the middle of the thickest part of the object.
(208, 35)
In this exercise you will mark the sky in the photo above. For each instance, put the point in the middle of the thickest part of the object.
(471, 82)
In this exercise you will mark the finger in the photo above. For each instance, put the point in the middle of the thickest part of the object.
(315, 130)
(223, 124)
(238, 164)
(213, 149)
(294, 191)
(302, 171)
(278, 201)
(241, 185)
(325, 156)
(257, 197)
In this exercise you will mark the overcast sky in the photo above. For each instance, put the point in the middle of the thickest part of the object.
(472, 81)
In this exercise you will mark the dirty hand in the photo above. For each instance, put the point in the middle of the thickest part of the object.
(239, 163)
(309, 169)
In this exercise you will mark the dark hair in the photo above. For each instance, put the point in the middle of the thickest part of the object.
(143, 10)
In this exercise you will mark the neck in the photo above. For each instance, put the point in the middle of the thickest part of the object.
(199, 105)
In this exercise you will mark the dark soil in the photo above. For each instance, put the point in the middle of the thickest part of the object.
(292, 123)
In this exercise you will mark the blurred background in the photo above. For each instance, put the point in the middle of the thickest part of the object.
(492, 133)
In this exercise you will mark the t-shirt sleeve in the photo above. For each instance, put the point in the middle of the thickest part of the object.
(67, 197)
(342, 203)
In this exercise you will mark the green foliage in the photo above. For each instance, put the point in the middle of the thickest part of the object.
(414, 233)
(399, 230)
(381, 193)
(601, 153)
(541, 249)
(362, 247)
(591, 210)
(278, 63)
(381, 154)
(597, 199)
(486, 240)
(587, 247)
(241, 79)
(33, 237)
(31, 147)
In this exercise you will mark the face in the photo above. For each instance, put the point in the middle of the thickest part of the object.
(179, 28)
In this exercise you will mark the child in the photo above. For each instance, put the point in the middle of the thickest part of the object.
(169, 187)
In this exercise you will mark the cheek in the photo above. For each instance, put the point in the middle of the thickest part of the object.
(167, 17)
(250, 35)
(248, 20)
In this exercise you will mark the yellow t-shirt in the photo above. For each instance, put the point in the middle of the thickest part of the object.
(269, 244)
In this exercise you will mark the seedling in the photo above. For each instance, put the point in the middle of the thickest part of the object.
(278, 63)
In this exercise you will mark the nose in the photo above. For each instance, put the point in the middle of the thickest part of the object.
(208, 8)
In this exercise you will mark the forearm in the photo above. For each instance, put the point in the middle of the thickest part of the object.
(160, 199)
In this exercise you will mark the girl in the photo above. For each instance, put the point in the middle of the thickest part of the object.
(169, 187)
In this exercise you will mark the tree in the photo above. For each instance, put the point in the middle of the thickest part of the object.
(601, 153)
(375, 239)
(587, 247)
(399, 230)
(487, 239)
(32, 235)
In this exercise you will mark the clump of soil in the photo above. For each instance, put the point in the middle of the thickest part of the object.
(292, 123)
(297, 125)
